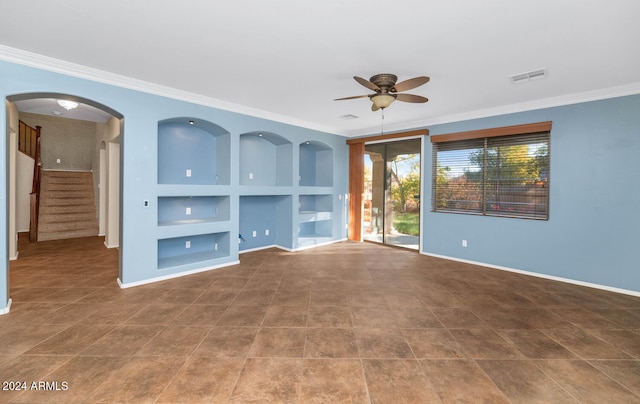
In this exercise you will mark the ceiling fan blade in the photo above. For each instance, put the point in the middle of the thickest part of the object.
(411, 98)
(409, 84)
(367, 83)
(352, 98)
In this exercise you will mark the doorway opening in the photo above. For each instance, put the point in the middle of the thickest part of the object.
(392, 180)
(98, 130)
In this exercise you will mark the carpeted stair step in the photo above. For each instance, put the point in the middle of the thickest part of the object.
(67, 208)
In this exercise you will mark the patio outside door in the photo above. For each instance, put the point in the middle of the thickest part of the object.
(392, 193)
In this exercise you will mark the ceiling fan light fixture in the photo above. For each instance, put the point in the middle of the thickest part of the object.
(383, 100)
(68, 105)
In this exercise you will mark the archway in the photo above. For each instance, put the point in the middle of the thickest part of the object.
(107, 177)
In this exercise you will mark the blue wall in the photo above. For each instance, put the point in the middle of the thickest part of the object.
(593, 231)
(139, 147)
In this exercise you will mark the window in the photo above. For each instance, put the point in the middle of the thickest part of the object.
(494, 172)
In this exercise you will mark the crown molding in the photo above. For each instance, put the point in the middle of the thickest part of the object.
(567, 99)
(31, 59)
(38, 61)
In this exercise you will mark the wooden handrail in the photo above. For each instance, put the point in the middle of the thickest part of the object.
(34, 197)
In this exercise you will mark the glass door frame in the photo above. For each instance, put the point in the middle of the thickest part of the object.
(387, 200)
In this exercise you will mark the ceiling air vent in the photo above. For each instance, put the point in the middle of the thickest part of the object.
(529, 76)
(348, 117)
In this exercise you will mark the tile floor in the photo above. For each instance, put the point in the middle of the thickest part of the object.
(346, 323)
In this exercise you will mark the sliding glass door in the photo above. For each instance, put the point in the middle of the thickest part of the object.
(392, 193)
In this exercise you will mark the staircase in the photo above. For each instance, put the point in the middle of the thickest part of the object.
(67, 208)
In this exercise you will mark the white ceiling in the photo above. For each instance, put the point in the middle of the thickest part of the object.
(288, 59)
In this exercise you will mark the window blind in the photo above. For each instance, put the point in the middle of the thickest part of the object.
(495, 175)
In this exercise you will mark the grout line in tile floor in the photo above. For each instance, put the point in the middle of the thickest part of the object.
(346, 322)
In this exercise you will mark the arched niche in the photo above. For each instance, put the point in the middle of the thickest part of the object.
(266, 159)
(193, 151)
(316, 164)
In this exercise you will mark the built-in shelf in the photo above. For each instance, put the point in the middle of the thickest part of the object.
(316, 229)
(195, 249)
(193, 151)
(266, 159)
(315, 203)
(316, 164)
(181, 210)
(265, 221)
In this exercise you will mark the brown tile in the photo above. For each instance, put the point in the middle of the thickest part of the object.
(156, 314)
(433, 344)
(228, 283)
(455, 317)
(174, 341)
(254, 298)
(542, 318)
(200, 314)
(446, 375)
(180, 295)
(333, 381)
(416, 317)
(484, 344)
(626, 319)
(382, 343)
(366, 299)
(71, 341)
(374, 317)
(291, 297)
(585, 344)
(330, 343)
(269, 380)
(227, 342)
(217, 297)
(585, 382)
(329, 316)
(141, 379)
(242, 316)
(625, 372)
(502, 319)
(625, 340)
(203, 380)
(20, 338)
(285, 316)
(123, 340)
(397, 381)
(583, 318)
(328, 298)
(83, 375)
(112, 314)
(536, 345)
(279, 343)
(26, 368)
(522, 382)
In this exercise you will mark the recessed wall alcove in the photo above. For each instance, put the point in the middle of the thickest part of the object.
(193, 151)
(316, 164)
(266, 159)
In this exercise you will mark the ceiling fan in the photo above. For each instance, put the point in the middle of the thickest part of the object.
(387, 91)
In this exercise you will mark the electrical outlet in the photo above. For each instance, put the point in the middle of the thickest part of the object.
(58, 161)
(250, 176)
(255, 233)
(145, 203)
(187, 244)
(464, 243)
(215, 246)
(266, 232)
(188, 211)
(188, 172)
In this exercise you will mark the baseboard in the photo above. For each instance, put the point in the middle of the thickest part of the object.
(538, 275)
(173, 276)
(291, 249)
(6, 309)
(111, 246)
